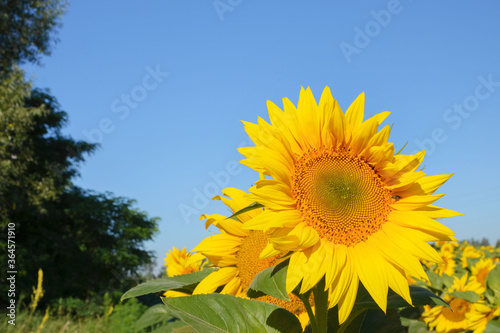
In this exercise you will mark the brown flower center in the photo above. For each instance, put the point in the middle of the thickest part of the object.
(460, 308)
(248, 262)
(340, 195)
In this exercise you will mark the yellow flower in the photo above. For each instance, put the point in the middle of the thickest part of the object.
(180, 262)
(471, 252)
(236, 251)
(447, 246)
(44, 320)
(488, 248)
(177, 262)
(337, 196)
(38, 292)
(481, 270)
(463, 316)
(448, 264)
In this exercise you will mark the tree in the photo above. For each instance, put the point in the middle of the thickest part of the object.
(26, 30)
(84, 241)
(36, 161)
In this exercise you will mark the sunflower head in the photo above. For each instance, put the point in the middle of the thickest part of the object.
(480, 271)
(235, 251)
(470, 252)
(463, 315)
(448, 264)
(337, 196)
(176, 261)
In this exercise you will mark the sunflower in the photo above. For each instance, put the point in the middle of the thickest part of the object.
(236, 252)
(178, 262)
(463, 315)
(480, 271)
(337, 196)
(470, 252)
(448, 265)
(447, 246)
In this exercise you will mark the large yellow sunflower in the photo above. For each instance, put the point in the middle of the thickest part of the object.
(338, 197)
(236, 252)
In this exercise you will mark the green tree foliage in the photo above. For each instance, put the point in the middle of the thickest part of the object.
(36, 160)
(84, 241)
(26, 30)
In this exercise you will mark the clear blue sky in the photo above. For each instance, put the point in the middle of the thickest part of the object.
(165, 137)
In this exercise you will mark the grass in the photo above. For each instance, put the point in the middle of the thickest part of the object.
(121, 319)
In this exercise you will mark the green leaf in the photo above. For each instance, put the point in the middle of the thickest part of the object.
(447, 280)
(493, 326)
(469, 296)
(184, 329)
(439, 301)
(376, 321)
(418, 326)
(493, 280)
(155, 315)
(353, 325)
(472, 261)
(177, 326)
(186, 281)
(408, 315)
(271, 281)
(419, 296)
(435, 280)
(225, 313)
(252, 206)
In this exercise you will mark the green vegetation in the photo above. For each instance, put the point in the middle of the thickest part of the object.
(86, 243)
(71, 317)
(27, 30)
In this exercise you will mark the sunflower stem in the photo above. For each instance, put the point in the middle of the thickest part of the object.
(305, 299)
(321, 306)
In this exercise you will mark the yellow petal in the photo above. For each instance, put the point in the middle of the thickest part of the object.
(415, 201)
(355, 114)
(218, 244)
(370, 268)
(325, 112)
(269, 251)
(273, 194)
(417, 221)
(411, 241)
(398, 282)
(296, 270)
(307, 118)
(218, 278)
(336, 266)
(280, 121)
(435, 212)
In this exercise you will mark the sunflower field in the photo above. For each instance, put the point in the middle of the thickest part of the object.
(339, 233)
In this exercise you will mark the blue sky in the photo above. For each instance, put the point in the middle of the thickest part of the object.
(163, 85)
